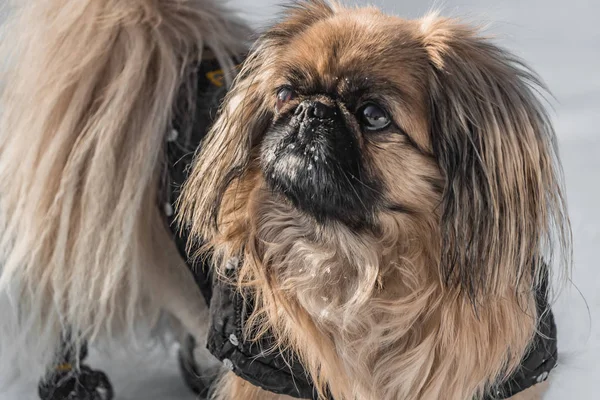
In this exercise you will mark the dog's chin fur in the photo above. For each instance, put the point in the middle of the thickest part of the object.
(436, 301)
(89, 88)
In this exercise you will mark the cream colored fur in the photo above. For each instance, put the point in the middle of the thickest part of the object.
(88, 94)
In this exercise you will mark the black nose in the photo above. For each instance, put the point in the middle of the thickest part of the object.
(314, 109)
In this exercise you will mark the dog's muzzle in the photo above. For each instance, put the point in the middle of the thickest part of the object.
(314, 159)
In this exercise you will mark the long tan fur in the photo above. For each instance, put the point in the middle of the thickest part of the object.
(438, 303)
(234, 387)
(88, 94)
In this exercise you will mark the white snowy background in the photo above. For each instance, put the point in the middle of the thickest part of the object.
(561, 41)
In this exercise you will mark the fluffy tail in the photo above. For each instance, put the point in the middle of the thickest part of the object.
(88, 91)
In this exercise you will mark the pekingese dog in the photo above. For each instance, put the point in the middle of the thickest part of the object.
(393, 192)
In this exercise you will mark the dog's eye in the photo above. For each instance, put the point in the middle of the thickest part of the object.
(373, 118)
(284, 95)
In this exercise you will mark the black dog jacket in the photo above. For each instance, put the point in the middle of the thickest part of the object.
(272, 371)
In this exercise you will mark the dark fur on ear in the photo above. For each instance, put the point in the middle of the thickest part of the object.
(503, 206)
(242, 120)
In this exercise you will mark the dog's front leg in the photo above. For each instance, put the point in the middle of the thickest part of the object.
(174, 290)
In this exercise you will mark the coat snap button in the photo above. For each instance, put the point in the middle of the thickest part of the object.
(172, 135)
(232, 263)
(169, 210)
(543, 376)
(233, 340)
(228, 364)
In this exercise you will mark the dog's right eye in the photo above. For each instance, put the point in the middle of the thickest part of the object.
(284, 95)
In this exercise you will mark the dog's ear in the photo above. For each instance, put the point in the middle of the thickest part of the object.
(246, 113)
(502, 206)
(224, 155)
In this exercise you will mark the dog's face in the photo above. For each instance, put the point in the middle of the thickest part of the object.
(359, 119)
(348, 138)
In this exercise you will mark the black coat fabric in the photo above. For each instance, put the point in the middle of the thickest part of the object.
(251, 360)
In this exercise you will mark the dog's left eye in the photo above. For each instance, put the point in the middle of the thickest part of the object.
(373, 118)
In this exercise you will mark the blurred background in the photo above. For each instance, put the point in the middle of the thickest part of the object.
(561, 41)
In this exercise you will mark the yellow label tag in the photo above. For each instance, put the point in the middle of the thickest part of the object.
(64, 367)
(216, 77)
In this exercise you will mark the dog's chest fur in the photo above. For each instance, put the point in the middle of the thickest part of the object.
(346, 288)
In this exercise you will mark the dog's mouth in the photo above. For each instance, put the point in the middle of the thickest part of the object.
(315, 162)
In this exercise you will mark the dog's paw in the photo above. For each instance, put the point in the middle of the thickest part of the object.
(76, 384)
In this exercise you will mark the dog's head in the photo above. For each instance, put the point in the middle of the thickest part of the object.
(359, 119)
(348, 138)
